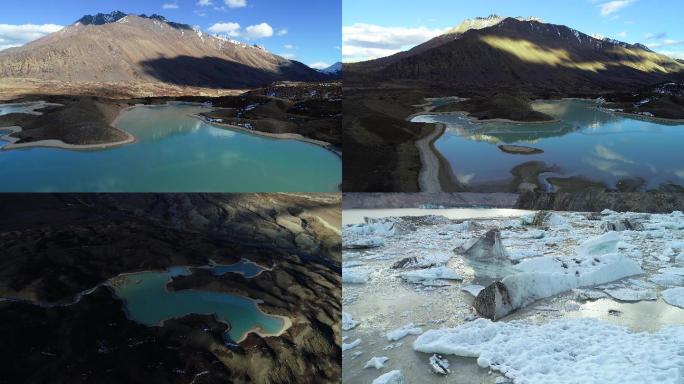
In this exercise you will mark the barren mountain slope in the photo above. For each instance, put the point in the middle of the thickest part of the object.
(147, 49)
(512, 52)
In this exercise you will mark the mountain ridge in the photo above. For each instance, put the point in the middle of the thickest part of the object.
(131, 49)
(511, 51)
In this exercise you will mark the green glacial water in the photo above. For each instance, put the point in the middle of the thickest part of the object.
(148, 302)
(174, 153)
(589, 142)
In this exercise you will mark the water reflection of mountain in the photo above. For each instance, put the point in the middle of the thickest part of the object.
(574, 115)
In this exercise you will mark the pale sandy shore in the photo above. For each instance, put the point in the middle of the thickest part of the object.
(428, 178)
(279, 136)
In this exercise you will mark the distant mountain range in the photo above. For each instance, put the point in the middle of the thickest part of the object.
(119, 47)
(496, 52)
(335, 69)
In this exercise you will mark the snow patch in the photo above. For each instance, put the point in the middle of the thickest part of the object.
(400, 333)
(564, 351)
(431, 275)
(674, 296)
(392, 377)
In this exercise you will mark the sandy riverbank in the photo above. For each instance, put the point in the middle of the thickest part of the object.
(278, 136)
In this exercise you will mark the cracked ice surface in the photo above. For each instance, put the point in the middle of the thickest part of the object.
(387, 302)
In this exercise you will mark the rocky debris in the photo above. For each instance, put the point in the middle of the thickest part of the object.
(439, 365)
(545, 219)
(363, 243)
(116, 233)
(427, 261)
(621, 225)
(593, 201)
(493, 302)
(406, 262)
(487, 248)
(94, 341)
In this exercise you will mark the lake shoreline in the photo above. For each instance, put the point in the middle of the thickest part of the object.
(59, 144)
(287, 322)
(111, 285)
(277, 136)
(442, 179)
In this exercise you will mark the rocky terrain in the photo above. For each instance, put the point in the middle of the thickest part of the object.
(140, 52)
(312, 110)
(654, 202)
(58, 248)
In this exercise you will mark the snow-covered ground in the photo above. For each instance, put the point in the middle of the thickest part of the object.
(630, 321)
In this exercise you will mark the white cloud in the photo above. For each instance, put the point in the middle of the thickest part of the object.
(622, 34)
(282, 32)
(655, 36)
(319, 65)
(674, 54)
(205, 3)
(170, 6)
(229, 29)
(288, 46)
(200, 13)
(18, 35)
(613, 6)
(236, 3)
(259, 31)
(665, 43)
(362, 41)
(288, 55)
(253, 32)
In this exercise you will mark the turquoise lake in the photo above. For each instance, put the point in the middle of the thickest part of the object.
(589, 142)
(148, 302)
(174, 153)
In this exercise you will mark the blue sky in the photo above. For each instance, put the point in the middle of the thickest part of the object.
(305, 30)
(381, 27)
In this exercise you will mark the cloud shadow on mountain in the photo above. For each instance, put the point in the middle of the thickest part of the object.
(213, 72)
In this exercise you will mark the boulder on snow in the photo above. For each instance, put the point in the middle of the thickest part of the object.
(494, 301)
(545, 219)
